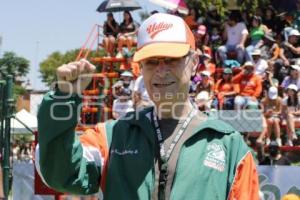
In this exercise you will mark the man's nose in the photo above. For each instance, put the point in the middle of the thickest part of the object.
(162, 69)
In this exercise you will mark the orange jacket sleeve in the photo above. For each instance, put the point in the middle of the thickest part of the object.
(96, 140)
(258, 88)
(236, 88)
(246, 184)
(237, 78)
(217, 86)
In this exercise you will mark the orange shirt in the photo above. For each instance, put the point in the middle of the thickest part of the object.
(221, 86)
(211, 67)
(249, 85)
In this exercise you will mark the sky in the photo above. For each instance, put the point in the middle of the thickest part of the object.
(34, 29)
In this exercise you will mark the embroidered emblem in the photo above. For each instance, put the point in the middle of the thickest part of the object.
(215, 157)
(154, 29)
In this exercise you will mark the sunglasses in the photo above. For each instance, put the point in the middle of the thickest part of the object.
(166, 61)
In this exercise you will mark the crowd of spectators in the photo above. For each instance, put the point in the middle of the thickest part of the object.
(247, 61)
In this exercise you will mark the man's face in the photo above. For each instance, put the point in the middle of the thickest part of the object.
(167, 79)
(293, 39)
(256, 57)
(249, 70)
(294, 73)
(231, 22)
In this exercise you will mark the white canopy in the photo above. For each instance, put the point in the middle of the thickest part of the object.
(25, 117)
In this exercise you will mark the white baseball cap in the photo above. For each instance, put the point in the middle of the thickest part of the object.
(273, 92)
(205, 73)
(292, 87)
(249, 63)
(256, 52)
(294, 32)
(127, 73)
(202, 96)
(296, 67)
(163, 35)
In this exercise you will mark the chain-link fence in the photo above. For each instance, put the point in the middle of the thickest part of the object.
(241, 120)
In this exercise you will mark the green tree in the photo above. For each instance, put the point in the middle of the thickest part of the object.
(56, 59)
(12, 64)
(249, 5)
(203, 5)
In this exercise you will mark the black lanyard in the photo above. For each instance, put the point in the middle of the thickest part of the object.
(164, 156)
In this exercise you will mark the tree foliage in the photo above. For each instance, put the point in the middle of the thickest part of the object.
(12, 64)
(221, 5)
(56, 59)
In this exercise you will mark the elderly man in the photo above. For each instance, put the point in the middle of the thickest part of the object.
(169, 151)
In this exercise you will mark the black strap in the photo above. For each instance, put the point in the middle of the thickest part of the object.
(165, 155)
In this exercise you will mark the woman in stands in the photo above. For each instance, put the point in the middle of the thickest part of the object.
(192, 19)
(257, 32)
(110, 31)
(226, 91)
(127, 35)
(291, 107)
(272, 108)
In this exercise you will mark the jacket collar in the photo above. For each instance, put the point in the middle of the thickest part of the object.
(144, 121)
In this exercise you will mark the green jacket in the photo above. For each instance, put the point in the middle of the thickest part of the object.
(213, 163)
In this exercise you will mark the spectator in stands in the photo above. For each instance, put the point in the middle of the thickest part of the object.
(250, 87)
(126, 81)
(192, 19)
(296, 16)
(206, 64)
(290, 49)
(206, 84)
(141, 97)
(269, 81)
(293, 77)
(291, 112)
(269, 18)
(281, 23)
(215, 40)
(260, 64)
(226, 90)
(271, 107)
(235, 34)
(246, 17)
(270, 49)
(195, 80)
(127, 35)
(110, 31)
(257, 32)
(289, 54)
(202, 40)
(213, 19)
(275, 157)
(123, 104)
(202, 101)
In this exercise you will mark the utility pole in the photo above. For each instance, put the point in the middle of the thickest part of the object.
(9, 106)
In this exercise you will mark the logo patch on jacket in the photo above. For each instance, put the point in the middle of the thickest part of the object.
(215, 157)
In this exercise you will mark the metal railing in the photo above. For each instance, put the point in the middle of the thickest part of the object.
(93, 37)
